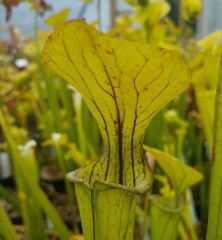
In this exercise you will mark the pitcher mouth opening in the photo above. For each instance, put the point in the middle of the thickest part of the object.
(140, 188)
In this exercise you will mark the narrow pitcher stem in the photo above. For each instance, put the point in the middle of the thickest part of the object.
(106, 212)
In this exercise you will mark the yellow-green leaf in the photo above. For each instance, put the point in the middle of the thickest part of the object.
(58, 18)
(215, 212)
(7, 230)
(205, 68)
(211, 41)
(153, 12)
(191, 9)
(169, 208)
(205, 102)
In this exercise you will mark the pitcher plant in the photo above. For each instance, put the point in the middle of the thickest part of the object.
(124, 84)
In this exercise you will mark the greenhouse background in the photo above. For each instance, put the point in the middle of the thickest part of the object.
(209, 20)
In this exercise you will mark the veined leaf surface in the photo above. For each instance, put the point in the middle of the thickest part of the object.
(124, 85)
